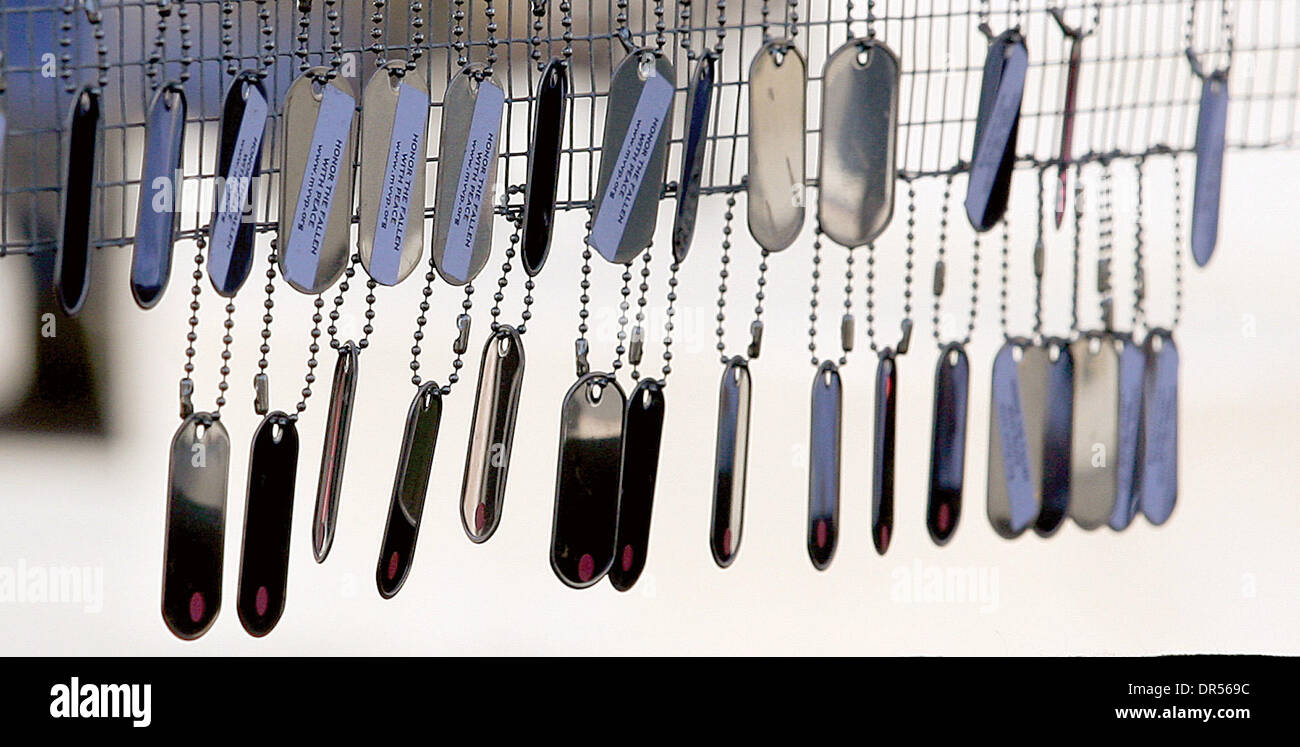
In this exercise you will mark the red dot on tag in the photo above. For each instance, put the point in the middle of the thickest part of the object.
(726, 543)
(480, 517)
(821, 533)
(586, 567)
(944, 517)
(884, 539)
(261, 601)
(196, 606)
(392, 566)
(627, 557)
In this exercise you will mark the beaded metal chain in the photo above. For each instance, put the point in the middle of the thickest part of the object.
(904, 340)
(941, 274)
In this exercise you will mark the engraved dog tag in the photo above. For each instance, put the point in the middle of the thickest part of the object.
(1058, 425)
(395, 117)
(81, 151)
(239, 164)
(882, 458)
(730, 462)
(1159, 483)
(1128, 456)
(824, 466)
(338, 422)
(316, 187)
(196, 525)
(409, 488)
(643, 429)
(996, 128)
(778, 107)
(633, 155)
(467, 174)
(160, 185)
(856, 172)
(492, 432)
(1015, 443)
(268, 519)
(948, 443)
(1096, 429)
(1211, 131)
(544, 165)
(585, 526)
(699, 105)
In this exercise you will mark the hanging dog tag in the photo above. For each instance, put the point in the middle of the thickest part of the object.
(467, 174)
(633, 156)
(1066, 148)
(996, 128)
(492, 432)
(81, 151)
(1128, 454)
(395, 116)
(268, 519)
(824, 466)
(1058, 425)
(699, 105)
(338, 423)
(730, 462)
(1159, 483)
(316, 188)
(855, 195)
(409, 489)
(1211, 131)
(585, 526)
(778, 107)
(1015, 444)
(544, 165)
(196, 525)
(643, 429)
(948, 443)
(1096, 429)
(239, 164)
(882, 471)
(160, 186)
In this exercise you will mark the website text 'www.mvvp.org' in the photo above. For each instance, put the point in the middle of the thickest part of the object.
(1204, 715)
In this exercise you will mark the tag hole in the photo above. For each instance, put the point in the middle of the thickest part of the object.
(778, 56)
(1054, 353)
(826, 378)
(503, 347)
(863, 56)
(1157, 342)
(317, 89)
(646, 399)
(646, 67)
(199, 430)
(952, 358)
(735, 375)
(244, 90)
(277, 432)
(595, 392)
(1017, 353)
(1094, 345)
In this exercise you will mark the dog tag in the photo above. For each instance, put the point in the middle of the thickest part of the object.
(160, 186)
(395, 117)
(699, 105)
(824, 466)
(338, 423)
(778, 107)
(4, 135)
(316, 188)
(1211, 131)
(948, 443)
(1159, 479)
(633, 156)
(1096, 429)
(585, 526)
(492, 432)
(1128, 455)
(730, 462)
(1015, 441)
(196, 525)
(1068, 113)
(409, 489)
(268, 519)
(1058, 424)
(467, 174)
(81, 155)
(643, 429)
(239, 164)
(882, 471)
(996, 128)
(855, 195)
(544, 165)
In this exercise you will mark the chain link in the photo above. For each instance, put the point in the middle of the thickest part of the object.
(941, 273)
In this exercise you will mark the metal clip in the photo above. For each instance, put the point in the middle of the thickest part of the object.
(261, 394)
(164, 8)
(1108, 314)
(1103, 275)
(624, 35)
(580, 349)
(906, 339)
(187, 397)
(846, 332)
(637, 348)
(755, 339)
(1040, 260)
(462, 340)
(940, 275)
(304, 6)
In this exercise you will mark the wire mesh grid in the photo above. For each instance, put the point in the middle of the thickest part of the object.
(1137, 93)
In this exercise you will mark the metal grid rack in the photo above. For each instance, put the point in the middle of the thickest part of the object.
(1137, 90)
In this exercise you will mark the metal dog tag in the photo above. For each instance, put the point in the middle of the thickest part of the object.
(196, 525)
(856, 172)
(268, 520)
(1159, 479)
(996, 128)
(338, 423)
(316, 183)
(699, 105)
(239, 165)
(882, 457)
(1058, 425)
(585, 525)
(492, 432)
(1128, 454)
(948, 443)
(81, 156)
(160, 198)
(1096, 429)
(778, 108)
(730, 462)
(544, 165)
(4, 135)
(419, 440)
(467, 174)
(1211, 132)
(824, 466)
(395, 118)
(643, 429)
(1015, 442)
(633, 156)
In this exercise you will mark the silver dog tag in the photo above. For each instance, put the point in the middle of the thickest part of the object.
(196, 525)
(492, 432)
(1016, 437)
(1096, 429)
(160, 184)
(778, 106)
(1159, 480)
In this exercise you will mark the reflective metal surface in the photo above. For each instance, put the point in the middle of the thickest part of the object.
(1058, 427)
(1096, 429)
(492, 432)
(643, 428)
(1128, 455)
(1015, 442)
(549, 117)
(948, 442)
(1066, 145)
(882, 453)
(419, 439)
(81, 155)
(730, 462)
(239, 164)
(1211, 130)
(155, 221)
(778, 105)
(338, 422)
(824, 465)
(1159, 479)
(699, 105)
(996, 129)
(196, 525)
(268, 520)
